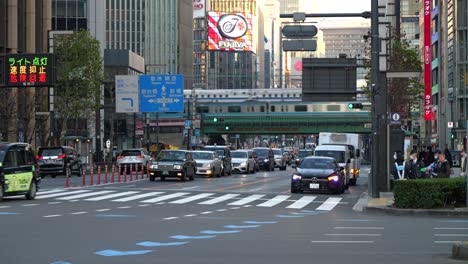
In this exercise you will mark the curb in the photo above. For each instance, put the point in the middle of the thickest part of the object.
(414, 212)
(460, 251)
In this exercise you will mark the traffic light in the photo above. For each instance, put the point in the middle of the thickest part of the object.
(226, 128)
(355, 106)
(215, 119)
(452, 135)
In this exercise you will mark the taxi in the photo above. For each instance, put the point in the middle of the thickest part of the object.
(19, 174)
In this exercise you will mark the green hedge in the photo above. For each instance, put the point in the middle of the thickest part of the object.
(430, 193)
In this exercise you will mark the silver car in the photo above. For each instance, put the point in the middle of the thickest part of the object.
(243, 161)
(133, 159)
(208, 163)
(280, 159)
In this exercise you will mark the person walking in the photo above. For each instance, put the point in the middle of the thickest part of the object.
(448, 156)
(430, 156)
(413, 166)
(398, 170)
(463, 164)
(442, 170)
(433, 165)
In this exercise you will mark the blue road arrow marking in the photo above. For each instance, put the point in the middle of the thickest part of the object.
(357, 220)
(314, 213)
(60, 262)
(212, 232)
(117, 253)
(289, 216)
(159, 244)
(260, 223)
(240, 226)
(191, 237)
(115, 215)
(308, 211)
(128, 99)
(8, 213)
(453, 221)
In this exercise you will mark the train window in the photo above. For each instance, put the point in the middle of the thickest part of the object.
(264, 95)
(202, 109)
(288, 95)
(208, 96)
(252, 109)
(234, 109)
(300, 108)
(333, 108)
(272, 108)
(262, 108)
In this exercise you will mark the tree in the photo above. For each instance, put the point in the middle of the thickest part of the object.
(404, 94)
(79, 77)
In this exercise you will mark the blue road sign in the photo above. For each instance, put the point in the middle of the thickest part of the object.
(188, 124)
(161, 93)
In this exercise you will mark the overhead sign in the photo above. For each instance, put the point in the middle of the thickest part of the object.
(198, 8)
(230, 32)
(299, 31)
(395, 119)
(126, 94)
(161, 93)
(450, 124)
(29, 70)
(428, 113)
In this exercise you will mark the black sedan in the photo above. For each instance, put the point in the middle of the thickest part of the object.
(318, 174)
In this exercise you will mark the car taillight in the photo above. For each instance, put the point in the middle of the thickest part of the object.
(63, 156)
(39, 157)
(120, 157)
(140, 156)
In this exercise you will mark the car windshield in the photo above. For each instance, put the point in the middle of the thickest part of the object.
(2, 155)
(239, 155)
(262, 152)
(219, 151)
(127, 153)
(171, 156)
(50, 152)
(339, 156)
(317, 164)
(202, 155)
(303, 154)
(277, 152)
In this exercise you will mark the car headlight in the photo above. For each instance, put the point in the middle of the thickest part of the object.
(207, 165)
(266, 160)
(296, 177)
(333, 178)
(177, 167)
(243, 164)
(154, 166)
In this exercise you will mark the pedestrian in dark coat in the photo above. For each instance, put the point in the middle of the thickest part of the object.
(442, 170)
(448, 156)
(413, 166)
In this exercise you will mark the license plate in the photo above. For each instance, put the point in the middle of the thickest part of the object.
(314, 186)
(50, 161)
(165, 173)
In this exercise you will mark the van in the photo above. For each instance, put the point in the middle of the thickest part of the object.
(19, 173)
(342, 154)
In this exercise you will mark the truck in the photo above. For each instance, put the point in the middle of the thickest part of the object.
(354, 143)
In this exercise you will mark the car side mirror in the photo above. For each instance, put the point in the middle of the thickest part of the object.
(342, 168)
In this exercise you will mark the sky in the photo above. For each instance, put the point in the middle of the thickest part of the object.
(339, 6)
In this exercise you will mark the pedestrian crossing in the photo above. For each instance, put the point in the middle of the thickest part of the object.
(179, 198)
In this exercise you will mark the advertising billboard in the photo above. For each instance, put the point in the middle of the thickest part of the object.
(428, 113)
(199, 8)
(29, 70)
(230, 32)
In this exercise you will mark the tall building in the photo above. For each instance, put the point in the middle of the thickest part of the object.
(409, 21)
(291, 6)
(24, 26)
(69, 15)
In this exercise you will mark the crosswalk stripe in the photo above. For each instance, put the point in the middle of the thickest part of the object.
(301, 203)
(274, 201)
(220, 199)
(136, 197)
(110, 196)
(248, 199)
(50, 191)
(165, 197)
(78, 196)
(39, 196)
(192, 198)
(329, 204)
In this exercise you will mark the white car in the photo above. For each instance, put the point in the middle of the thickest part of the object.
(243, 161)
(208, 163)
(133, 159)
(280, 159)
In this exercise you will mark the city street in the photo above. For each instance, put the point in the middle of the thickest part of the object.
(240, 218)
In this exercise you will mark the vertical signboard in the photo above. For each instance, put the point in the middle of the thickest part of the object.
(126, 94)
(29, 70)
(198, 8)
(428, 114)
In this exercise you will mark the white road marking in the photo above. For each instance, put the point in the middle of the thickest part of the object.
(221, 210)
(54, 203)
(144, 205)
(39, 196)
(110, 196)
(353, 234)
(136, 197)
(207, 212)
(254, 190)
(170, 218)
(50, 191)
(234, 208)
(78, 213)
(192, 198)
(73, 201)
(247, 206)
(451, 235)
(344, 241)
(358, 228)
(164, 197)
(220, 199)
(161, 203)
(49, 216)
(78, 196)
(451, 228)
(102, 210)
(329, 204)
(124, 207)
(188, 188)
(301, 203)
(5, 206)
(274, 201)
(28, 205)
(128, 186)
(247, 200)
(446, 242)
(190, 215)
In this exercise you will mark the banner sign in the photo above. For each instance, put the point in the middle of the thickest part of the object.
(29, 70)
(230, 32)
(428, 113)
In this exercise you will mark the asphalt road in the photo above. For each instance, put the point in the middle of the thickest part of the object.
(240, 218)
